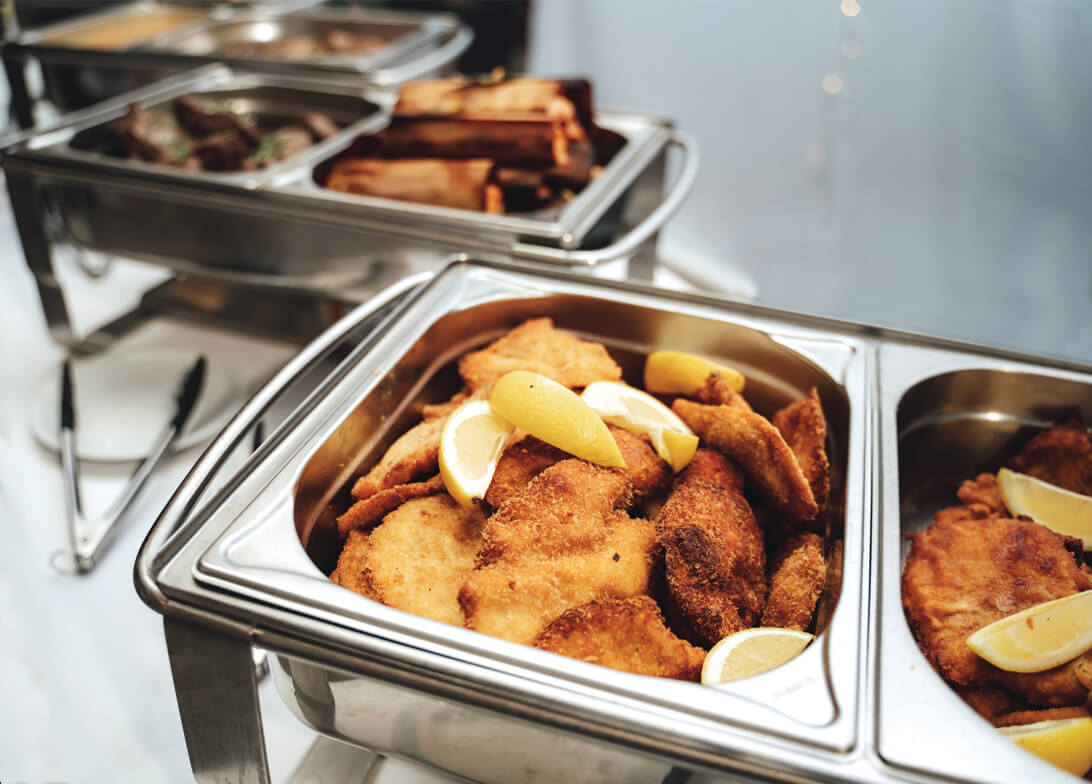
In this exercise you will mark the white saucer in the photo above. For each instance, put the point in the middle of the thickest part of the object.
(123, 401)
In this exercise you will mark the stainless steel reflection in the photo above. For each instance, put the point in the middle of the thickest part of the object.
(945, 416)
(482, 707)
(77, 75)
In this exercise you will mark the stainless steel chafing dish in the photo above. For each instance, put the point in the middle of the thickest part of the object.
(238, 567)
(481, 707)
(279, 227)
(77, 72)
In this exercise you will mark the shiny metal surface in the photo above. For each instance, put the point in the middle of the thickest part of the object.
(241, 557)
(76, 77)
(945, 416)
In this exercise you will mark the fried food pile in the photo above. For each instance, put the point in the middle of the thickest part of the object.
(636, 569)
(495, 145)
(976, 564)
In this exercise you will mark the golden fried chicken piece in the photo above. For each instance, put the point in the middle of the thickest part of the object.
(371, 510)
(804, 428)
(1002, 709)
(647, 471)
(528, 457)
(964, 574)
(519, 464)
(732, 427)
(538, 347)
(624, 634)
(417, 559)
(563, 509)
(414, 454)
(1061, 456)
(797, 576)
(560, 542)
(714, 558)
(984, 493)
(516, 598)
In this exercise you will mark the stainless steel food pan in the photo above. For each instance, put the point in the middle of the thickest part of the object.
(30, 14)
(77, 76)
(945, 416)
(294, 234)
(252, 562)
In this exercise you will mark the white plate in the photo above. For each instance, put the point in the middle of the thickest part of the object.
(123, 401)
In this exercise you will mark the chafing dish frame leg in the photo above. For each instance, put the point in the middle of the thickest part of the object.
(29, 207)
(217, 691)
(21, 104)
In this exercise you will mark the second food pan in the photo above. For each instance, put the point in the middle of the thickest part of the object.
(256, 559)
(948, 415)
(104, 54)
(283, 227)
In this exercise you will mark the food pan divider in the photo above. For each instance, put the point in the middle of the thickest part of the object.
(924, 730)
(208, 570)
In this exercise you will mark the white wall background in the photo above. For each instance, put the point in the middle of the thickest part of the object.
(923, 165)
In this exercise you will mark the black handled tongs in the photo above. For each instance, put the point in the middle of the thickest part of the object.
(90, 537)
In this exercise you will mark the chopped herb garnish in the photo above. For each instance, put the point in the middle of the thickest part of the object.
(268, 148)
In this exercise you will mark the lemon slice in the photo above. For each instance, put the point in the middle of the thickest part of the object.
(639, 412)
(557, 415)
(471, 444)
(1039, 637)
(1066, 743)
(679, 373)
(1060, 510)
(750, 652)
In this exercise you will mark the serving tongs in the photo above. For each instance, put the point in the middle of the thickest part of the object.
(90, 537)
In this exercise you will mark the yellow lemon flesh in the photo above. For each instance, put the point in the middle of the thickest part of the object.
(639, 412)
(1066, 743)
(1039, 637)
(557, 415)
(471, 444)
(679, 373)
(752, 651)
(1060, 510)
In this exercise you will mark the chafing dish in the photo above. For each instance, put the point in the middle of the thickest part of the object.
(81, 68)
(281, 227)
(947, 414)
(474, 705)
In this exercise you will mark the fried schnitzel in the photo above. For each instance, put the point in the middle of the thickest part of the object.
(624, 634)
(537, 346)
(714, 557)
(560, 542)
(417, 559)
(528, 457)
(1061, 456)
(804, 429)
(797, 576)
(371, 510)
(729, 425)
(415, 453)
(962, 574)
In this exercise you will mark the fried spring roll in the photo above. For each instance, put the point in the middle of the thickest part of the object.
(525, 142)
(465, 184)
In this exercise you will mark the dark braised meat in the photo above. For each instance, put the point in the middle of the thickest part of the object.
(208, 134)
(154, 136)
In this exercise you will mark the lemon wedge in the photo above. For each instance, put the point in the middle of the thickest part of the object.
(1039, 637)
(679, 373)
(1066, 743)
(750, 652)
(557, 415)
(639, 412)
(1060, 510)
(471, 444)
